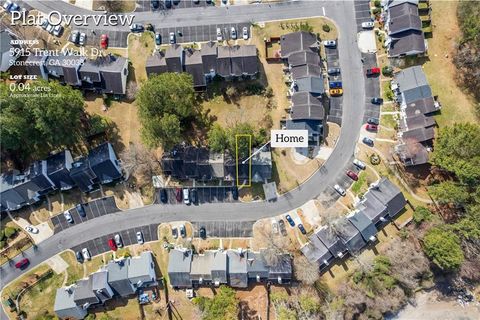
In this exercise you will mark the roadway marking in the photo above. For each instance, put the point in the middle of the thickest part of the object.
(323, 9)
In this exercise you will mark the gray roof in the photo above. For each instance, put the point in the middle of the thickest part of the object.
(113, 71)
(373, 208)
(419, 121)
(237, 269)
(297, 41)
(209, 56)
(303, 58)
(402, 9)
(139, 268)
(349, 235)
(219, 267)
(418, 135)
(331, 241)
(244, 60)
(9, 198)
(393, 3)
(412, 154)
(410, 78)
(35, 65)
(84, 293)
(415, 94)
(261, 166)
(65, 306)
(313, 85)
(173, 58)
(420, 106)
(224, 65)
(282, 268)
(118, 277)
(409, 42)
(194, 66)
(306, 70)
(315, 250)
(404, 23)
(256, 265)
(388, 194)
(156, 64)
(179, 264)
(364, 225)
(202, 266)
(306, 106)
(314, 128)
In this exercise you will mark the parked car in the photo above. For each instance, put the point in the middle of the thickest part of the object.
(140, 237)
(233, 33)
(174, 233)
(81, 210)
(340, 190)
(118, 240)
(281, 226)
(359, 164)
(168, 4)
(302, 229)
(290, 220)
(333, 71)
(194, 196)
(369, 142)
(86, 254)
(172, 37)
(22, 264)
(373, 71)
(186, 196)
(178, 194)
(374, 121)
(104, 41)
(6, 5)
(44, 24)
(31, 229)
(57, 30)
(158, 39)
(368, 25)
(245, 33)
(50, 28)
(371, 127)
(163, 195)
(68, 216)
(235, 193)
(330, 43)
(183, 231)
(112, 244)
(136, 28)
(82, 39)
(219, 34)
(352, 175)
(203, 233)
(335, 84)
(73, 36)
(274, 226)
(154, 4)
(14, 7)
(377, 100)
(336, 92)
(79, 256)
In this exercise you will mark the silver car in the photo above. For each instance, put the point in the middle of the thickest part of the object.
(68, 216)
(329, 43)
(86, 254)
(359, 164)
(340, 190)
(82, 39)
(139, 237)
(219, 34)
(233, 33)
(118, 240)
(245, 33)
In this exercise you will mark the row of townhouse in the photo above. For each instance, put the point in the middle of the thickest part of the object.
(202, 164)
(404, 29)
(300, 53)
(416, 123)
(121, 278)
(58, 172)
(105, 74)
(228, 62)
(350, 234)
(236, 268)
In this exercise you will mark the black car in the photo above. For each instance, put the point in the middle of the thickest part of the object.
(374, 121)
(377, 100)
(155, 4)
(302, 229)
(158, 39)
(175, 233)
(168, 4)
(136, 28)
(163, 195)
(183, 231)
(369, 142)
(81, 210)
(79, 256)
(203, 233)
(281, 225)
(235, 193)
(193, 196)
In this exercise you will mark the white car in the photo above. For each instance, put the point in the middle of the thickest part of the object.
(139, 237)
(7, 4)
(368, 25)
(31, 229)
(245, 33)
(118, 240)
(68, 216)
(50, 28)
(57, 30)
(233, 33)
(359, 164)
(86, 254)
(329, 43)
(186, 196)
(172, 37)
(219, 34)
(340, 190)
(82, 39)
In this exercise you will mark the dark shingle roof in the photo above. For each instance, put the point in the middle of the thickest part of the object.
(418, 135)
(331, 241)
(350, 236)
(412, 154)
(306, 70)
(419, 121)
(313, 85)
(389, 194)
(194, 66)
(303, 57)
(297, 41)
(404, 23)
(364, 225)
(156, 64)
(306, 106)
(209, 56)
(102, 163)
(83, 175)
(409, 42)
(420, 106)
(174, 57)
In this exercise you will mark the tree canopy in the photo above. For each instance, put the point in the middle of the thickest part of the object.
(224, 305)
(442, 246)
(450, 192)
(165, 102)
(220, 139)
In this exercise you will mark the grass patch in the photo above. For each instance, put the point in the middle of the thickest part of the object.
(388, 120)
(387, 92)
(139, 48)
(359, 185)
(94, 264)
(75, 269)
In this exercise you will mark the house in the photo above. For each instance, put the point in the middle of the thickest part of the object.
(374, 209)
(412, 154)
(209, 59)
(10, 199)
(104, 163)
(314, 128)
(306, 70)
(388, 194)
(201, 269)
(298, 41)
(156, 63)
(35, 65)
(349, 235)
(9, 51)
(65, 306)
(84, 296)
(311, 85)
(244, 61)
(83, 175)
(58, 170)
(261, 166)
(257, 268)
(331, 241)
(303, 58)
(317, 252)
(237, 268)
(306, 106)
(141, 270)
(179, 267)
(174, 57)
(118, 277)
(100, 285)
(364, 225)
(280, 270)
(219, 268)
(106, 74)
(194, 66)
(34, 183)
(65, 68)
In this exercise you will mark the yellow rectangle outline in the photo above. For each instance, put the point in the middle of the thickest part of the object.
(249, 160)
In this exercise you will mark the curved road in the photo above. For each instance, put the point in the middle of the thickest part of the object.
(353, 109)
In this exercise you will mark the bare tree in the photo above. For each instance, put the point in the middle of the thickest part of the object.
(132, 89)
(140, 162)
(305, 271)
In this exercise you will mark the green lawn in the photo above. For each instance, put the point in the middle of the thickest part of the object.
(359, 185)
(75, 269)
(388, 121)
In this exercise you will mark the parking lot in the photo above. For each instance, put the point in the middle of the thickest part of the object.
(335, 111)
(225, 229)
(145, 5)
(116, 39)
(205, 195)
(100, 245)
(372, 88)
(93, 209)
(362, 12)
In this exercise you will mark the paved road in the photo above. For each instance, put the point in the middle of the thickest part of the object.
(354, 90)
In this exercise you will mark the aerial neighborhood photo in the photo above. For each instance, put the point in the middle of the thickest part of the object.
(240, 159)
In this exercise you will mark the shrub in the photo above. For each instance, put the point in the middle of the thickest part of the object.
(3, 243)
(374, 159)
(2, 234)
(376, 11)
(326, 28)
(421, 214)
(10, 232)
(443, 248)
(377, 3)
(387, 71)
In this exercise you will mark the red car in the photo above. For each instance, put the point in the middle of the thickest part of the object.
(22, 264)
(112, 244)
(373, 71)
(352, 175)
(104, 41)
(371, 127)
(178, 194)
